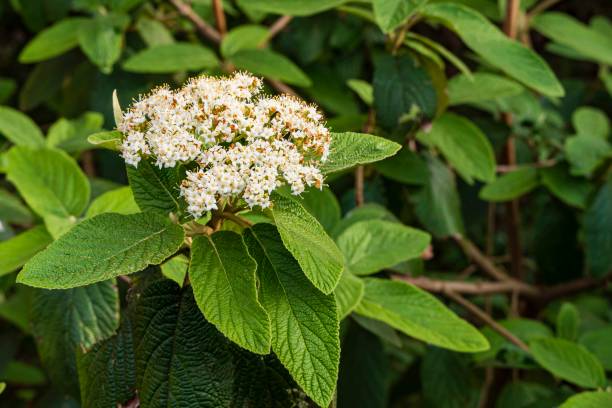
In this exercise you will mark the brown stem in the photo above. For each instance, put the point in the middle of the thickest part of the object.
(243, 222)
(219, 17)
(482, 315)
(89, 166)
(205, 29)
(540, 7)
(578, 285)
(282, 88)
(507, 168)
(473, 253)
(359, 195)
(490, 229)
(278, 26)
(469, 288)
(512, 15)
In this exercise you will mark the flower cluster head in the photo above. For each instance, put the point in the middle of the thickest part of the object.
(245, 144)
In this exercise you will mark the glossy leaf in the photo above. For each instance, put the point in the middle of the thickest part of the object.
(589, 399)
(53, 41)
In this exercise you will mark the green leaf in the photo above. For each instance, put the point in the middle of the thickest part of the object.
(19, 129)
(49, 180)
(590, 399)
(222, 275)
(270, 65)
(418, 314)
(45, 80)
(155, 189)
(169, 58)
(153, 32)
(598, 342)
(348, 293)
(64, 320)
(21, 373)
(53, 41)
(463, 144)
(71, 135)
(401, 89)
(305, 238)
(369, 246)
(109, 139)
(181, 360)
(101, 42)
(244, 37)
(350, 149)
(524, 394)
(294, 7)
(569, 361)
(406, 167)
(305, 330)
(103, 247)
(323, 205)
(437, 203)
(574, 191)
(568, 322)
(498, 50)
(586, 153)
(107, 372)
(363, 89)
(175, 268)
(590, 121)
(598, 231)
(511, 185)
(568, 31)
(16, 251)
(120, 201)
(490, 87)
(524, 329)
(12, 209)
(390, 14)
(7, 88)
(440, 49)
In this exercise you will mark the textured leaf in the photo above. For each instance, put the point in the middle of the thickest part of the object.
(19, 128)
(463, 144)
(304, 320)
(370, 246)
(400, 87)
(222, 275)
(270, 65)
(570, 32)
(348, 293)
(568, 322)
(418, 314)
(574, 191)
(318, 256)
(169, 58)
(243, 37)
(498, 50)
(598, 231)
(53, 41)
(586, 153)
(101, 42)
(350, 149)
(16, 251)
(323, 205)
(107, 372)
(391, 13)
(64, 320)
(181, 360)
(175, 268)
(406, 167)
(50, 181)
(437, 203)
(490, 86)
(590, 399)
(120, 201)
(368, 211)
(568, 361)
(101, 248)
(12, 209)
(155, 189)
(293, 7)
(511, 185)
(591, 122)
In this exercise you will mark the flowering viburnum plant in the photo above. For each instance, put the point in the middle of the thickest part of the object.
(245, 144)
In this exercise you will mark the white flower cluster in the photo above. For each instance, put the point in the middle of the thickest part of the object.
(246, 144)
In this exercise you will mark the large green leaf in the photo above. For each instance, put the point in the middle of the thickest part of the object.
(437, 203)
(350, 149)
(19, 129)
(169, 58)
(270, 65)
(64, 320)
(401, 88)
(222, 275)
(13, 211)
(490, 86)
(348, 293)
(305, 332)
(406, 167)
(570, 32)
(368, 211)
(101, 42)
(181, 360)
(155, 189)
(53, 41)
(244, 37)
(370, 246)
(571, 190)
(71, 135)
(586, 153)
(591, 122)
(49, 180)
(598, 231)
(590, 399)
(598, 342)
(305, 238)
(511, 185)
(293, 7)
(120, 201)
(101, 248)
(391, 13)
(16, 251)
(107, 372)
(498, 50)
(418, 314)
(569, 361)
(323, 205)
(463, 144)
